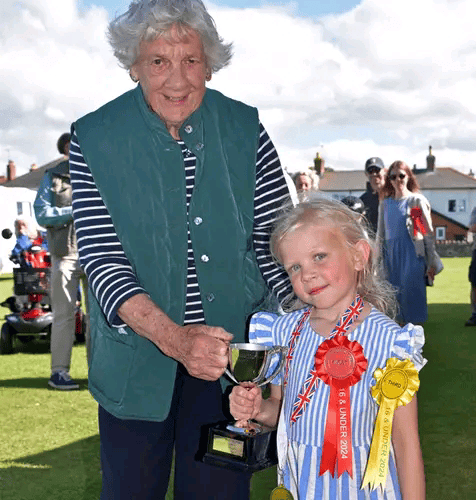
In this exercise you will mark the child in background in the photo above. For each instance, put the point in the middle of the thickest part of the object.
(330, 259)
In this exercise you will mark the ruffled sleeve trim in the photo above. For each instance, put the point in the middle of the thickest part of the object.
(409, 343)
(261, 332)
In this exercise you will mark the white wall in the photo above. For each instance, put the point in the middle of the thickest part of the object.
(465, 202)
(14, 203)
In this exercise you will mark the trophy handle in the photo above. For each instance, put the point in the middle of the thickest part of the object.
(228, 372)
(282, 351)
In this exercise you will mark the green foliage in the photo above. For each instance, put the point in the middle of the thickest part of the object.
(49, 447)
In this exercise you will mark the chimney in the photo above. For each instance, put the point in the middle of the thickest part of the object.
(11, 170)
(430, 162)
(319, 165)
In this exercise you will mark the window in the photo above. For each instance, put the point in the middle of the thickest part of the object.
(461, 205)
(451, 205)
(440, 233)
(24, 208)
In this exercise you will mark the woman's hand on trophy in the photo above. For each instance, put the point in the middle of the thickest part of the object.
(245, 403)
(203, 350)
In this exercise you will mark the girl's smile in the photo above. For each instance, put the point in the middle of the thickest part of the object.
(317, 290)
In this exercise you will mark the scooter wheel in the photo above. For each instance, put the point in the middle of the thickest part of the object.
(6, 339)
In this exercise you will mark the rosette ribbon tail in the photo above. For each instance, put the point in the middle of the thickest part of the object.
(329, 449)
(395, 386)
(337, 448)
(377, 465)
(344, 432)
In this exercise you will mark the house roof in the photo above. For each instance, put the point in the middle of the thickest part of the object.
(343, 180)
(445, 178)
(355, 180)
(32, 179)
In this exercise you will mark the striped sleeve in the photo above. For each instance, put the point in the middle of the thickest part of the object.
(271, 193)
(102, 257)
(110, 274)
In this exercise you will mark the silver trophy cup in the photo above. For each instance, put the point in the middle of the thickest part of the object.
(254, 448)
(251, 362)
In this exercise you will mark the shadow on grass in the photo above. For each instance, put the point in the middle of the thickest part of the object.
(70, 472)
(33, 346)
(447, 403)
(37, 383)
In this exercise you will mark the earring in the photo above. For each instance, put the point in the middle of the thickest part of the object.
(208, 75)
(133, 78)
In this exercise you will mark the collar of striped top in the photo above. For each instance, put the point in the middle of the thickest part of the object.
(309, 387)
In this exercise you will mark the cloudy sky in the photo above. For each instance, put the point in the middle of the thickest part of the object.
(350, 80)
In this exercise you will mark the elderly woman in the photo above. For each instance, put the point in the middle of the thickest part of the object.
(175, 187)
(405, 232)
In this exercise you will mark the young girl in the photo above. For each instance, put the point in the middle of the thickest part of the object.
(329, 257)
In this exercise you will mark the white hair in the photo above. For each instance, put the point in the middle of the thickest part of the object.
(146, 20)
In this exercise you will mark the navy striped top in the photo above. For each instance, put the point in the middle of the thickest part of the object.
(101, 255)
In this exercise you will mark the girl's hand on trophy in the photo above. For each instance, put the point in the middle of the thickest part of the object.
(245, 402)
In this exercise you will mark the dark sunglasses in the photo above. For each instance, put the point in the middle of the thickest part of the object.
(394, 176)
(373, 170)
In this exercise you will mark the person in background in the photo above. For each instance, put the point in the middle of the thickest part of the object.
(53, 210)
(27, 238)
(407, 243)
(24, 237)
(175, 188)
(375, 172)
(472, 271)
(306, 181)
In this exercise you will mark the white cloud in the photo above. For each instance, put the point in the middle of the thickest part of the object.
(386, 79)
(56, 65)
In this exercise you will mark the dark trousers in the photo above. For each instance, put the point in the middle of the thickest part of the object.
(136, 455)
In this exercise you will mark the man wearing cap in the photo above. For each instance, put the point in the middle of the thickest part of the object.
(375, 171)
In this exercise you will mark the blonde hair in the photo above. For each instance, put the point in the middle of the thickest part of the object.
(318, 210)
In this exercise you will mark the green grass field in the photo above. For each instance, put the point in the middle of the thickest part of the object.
(49, 443)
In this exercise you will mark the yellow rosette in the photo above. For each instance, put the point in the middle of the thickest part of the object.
(395, 386)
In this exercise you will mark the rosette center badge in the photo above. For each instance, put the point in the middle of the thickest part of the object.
(339, 362)
(394, 384)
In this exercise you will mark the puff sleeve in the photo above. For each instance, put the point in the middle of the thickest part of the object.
(261, 332)
(408, 344)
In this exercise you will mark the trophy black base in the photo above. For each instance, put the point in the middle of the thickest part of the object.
(241, 451)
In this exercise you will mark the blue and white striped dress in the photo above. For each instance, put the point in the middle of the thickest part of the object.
(381, 338)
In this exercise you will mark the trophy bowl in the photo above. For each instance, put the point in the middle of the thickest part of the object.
(253, 448)
(250, 363)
